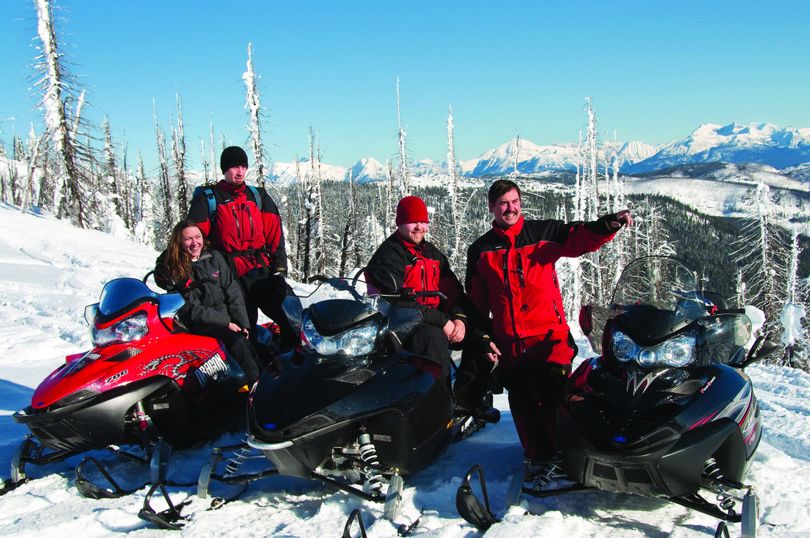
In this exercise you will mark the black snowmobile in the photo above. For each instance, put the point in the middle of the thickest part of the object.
(349, 407)
(665, 412)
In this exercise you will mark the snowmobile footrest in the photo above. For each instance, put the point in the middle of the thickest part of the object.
(468, 505)
(373, 497)
(167, 519)
(696, 502)
(574, 488)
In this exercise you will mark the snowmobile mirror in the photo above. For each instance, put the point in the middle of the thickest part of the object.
(468, 505)
(90, 312)
(761, 349)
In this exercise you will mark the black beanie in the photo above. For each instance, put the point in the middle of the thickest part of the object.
(232, 156)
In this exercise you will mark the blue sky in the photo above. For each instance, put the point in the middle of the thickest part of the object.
(655, 70)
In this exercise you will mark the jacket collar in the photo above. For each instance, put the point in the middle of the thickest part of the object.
(231, 190)
(511, 232)
(413, 248)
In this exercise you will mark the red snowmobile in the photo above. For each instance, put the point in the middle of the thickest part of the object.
(146, 382)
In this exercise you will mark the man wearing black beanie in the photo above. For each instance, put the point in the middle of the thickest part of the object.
(244, 224)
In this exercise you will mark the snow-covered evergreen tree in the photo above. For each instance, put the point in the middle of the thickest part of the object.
(255, 112)
(18, 155)
(793, 316)
(144, 208)
(57, 90)
(761, 252)
(349, 254)
(404, 175)
(390, 189)
(179, 154)
(454, 197)
(35, 143)
(165, 220)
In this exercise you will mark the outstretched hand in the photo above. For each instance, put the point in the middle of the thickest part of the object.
(622, 218)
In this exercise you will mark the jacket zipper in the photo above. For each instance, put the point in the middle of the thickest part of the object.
(556, 311)
(236, 218)
(511, 299)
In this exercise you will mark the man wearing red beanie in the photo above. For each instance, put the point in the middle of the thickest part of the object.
(406, 260)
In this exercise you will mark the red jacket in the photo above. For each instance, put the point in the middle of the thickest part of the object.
(511, 274)
(398, 263)
(249, 237)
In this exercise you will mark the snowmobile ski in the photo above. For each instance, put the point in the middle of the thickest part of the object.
(171, 518)
(469, 506)
(355, 515)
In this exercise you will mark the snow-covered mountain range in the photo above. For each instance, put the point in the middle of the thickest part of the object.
(761, 143)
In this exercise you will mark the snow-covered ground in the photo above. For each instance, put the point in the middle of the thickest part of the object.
(49, 271)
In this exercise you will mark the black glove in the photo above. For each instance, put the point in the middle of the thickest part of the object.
(612, 222)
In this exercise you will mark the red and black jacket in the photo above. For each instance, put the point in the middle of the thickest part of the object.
(511, 274)
(398, 264)
(251, 238)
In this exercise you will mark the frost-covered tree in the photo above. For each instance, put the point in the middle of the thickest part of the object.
(35, 143)
(515, 156)
(349, 255)
(214, 162)
(166, 218)
(57, 91)
(144, 230)
(453, 194)
(109, 182)
(18, 155)
(793, 316)
(255, 112)
(390, 189)
(761, 252)
(404, 175)
(179, 154)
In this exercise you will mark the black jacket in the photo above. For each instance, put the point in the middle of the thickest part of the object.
(400, 264)
(213, 296)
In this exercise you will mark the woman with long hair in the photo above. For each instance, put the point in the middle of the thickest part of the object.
(214, 302)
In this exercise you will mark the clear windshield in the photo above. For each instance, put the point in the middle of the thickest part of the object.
(401, 319)
(663, 283)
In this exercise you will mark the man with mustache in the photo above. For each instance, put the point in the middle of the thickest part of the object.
(511, 275)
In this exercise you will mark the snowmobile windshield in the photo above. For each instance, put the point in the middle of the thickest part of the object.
(662, 291)
(122, 293)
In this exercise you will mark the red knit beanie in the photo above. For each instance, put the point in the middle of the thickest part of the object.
(411, 209)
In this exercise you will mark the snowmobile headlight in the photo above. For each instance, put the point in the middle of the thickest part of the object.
(355, 342)
(624, 349)
(679, 351)
(127, 330)
(676, 352)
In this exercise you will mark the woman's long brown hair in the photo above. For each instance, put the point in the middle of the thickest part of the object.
(178, 261)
